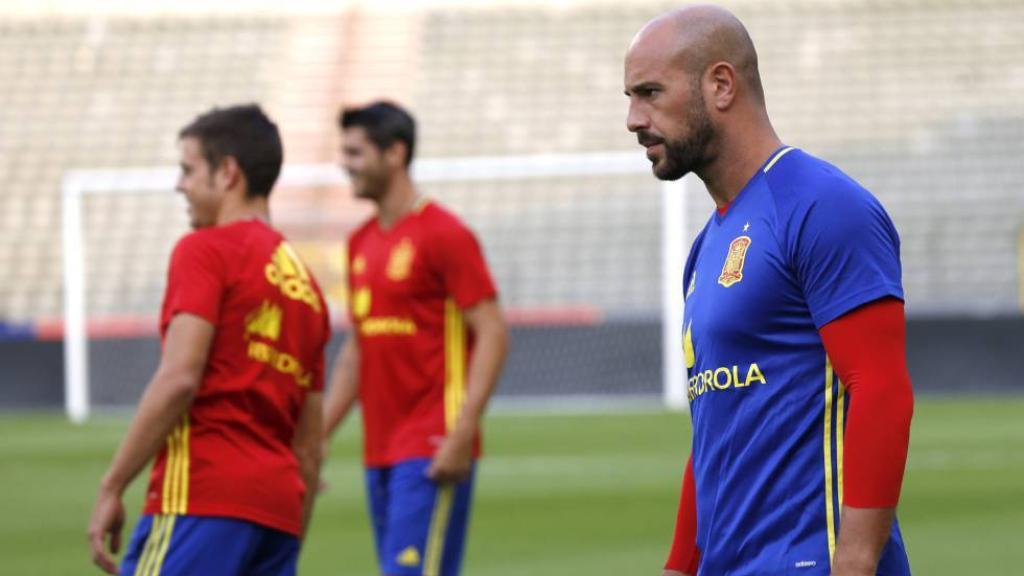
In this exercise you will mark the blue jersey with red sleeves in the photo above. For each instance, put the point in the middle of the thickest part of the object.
(801, 245)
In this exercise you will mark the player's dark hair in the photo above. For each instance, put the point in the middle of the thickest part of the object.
(385, 123)
(246, 134)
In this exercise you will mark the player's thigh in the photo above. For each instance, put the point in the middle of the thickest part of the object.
(378, 500)
(454, 543)
(427, 523)
(276, 555)
(172, 545)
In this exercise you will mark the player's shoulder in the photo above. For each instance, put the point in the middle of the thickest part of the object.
(439, 222)
(437, 215)
(362, 230)
(201, 241)
(797, 180)
(229, 242)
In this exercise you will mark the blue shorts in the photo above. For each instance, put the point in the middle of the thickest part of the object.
(169, 545)
(419, 526)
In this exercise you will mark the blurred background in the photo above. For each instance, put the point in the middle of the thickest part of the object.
(922, 101)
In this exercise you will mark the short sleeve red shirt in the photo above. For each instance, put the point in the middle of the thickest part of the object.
(408, 286)
(231, 454)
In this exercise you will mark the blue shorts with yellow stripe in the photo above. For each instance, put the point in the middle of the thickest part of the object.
(172, 545)
(419, 525)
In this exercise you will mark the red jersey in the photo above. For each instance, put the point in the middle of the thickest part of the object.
(408, 286)
(231, 455)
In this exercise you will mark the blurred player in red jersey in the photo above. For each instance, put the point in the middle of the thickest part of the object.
(233, 412)
(427, 344)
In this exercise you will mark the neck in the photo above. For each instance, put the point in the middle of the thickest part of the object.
(238, 207)
(399, 199)
(739, 156)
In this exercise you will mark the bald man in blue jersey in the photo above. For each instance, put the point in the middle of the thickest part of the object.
(794, 333)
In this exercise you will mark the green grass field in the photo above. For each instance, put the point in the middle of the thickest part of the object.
(557, 494)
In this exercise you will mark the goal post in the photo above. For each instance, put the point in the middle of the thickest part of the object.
(79, 184)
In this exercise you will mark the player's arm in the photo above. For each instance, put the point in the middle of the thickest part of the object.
(344, 386)
(867, 348)
(684, 557)
(306, 446)
(167, 397)
(454, 458)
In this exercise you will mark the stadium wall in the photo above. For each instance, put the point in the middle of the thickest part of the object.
(608, 360)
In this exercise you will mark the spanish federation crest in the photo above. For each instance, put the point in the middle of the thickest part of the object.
(400, 261)
(732, 271)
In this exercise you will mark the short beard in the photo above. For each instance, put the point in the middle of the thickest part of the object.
(375, 184)
(690, 153)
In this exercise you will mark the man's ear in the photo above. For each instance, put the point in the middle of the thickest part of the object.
(720, 85)
(228, 173)
(395, 154)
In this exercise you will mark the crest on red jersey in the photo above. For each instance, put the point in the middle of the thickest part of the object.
(400, 261)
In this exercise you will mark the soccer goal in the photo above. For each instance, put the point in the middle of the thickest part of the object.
(576, 241)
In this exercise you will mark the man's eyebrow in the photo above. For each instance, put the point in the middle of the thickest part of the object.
(642, 86)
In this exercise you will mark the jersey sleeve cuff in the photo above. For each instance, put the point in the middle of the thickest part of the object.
(840, 307)
(474, 299)
(200, 312)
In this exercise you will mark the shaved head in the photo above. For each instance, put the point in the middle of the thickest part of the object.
(695, 37)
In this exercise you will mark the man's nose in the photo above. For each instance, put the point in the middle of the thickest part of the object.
(637, 119)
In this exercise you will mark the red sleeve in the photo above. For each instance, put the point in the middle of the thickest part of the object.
(195, 281)
(684, 556)
(867, 348)
(466, 277)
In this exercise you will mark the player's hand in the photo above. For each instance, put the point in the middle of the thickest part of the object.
(453, 460)
(107, 519)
